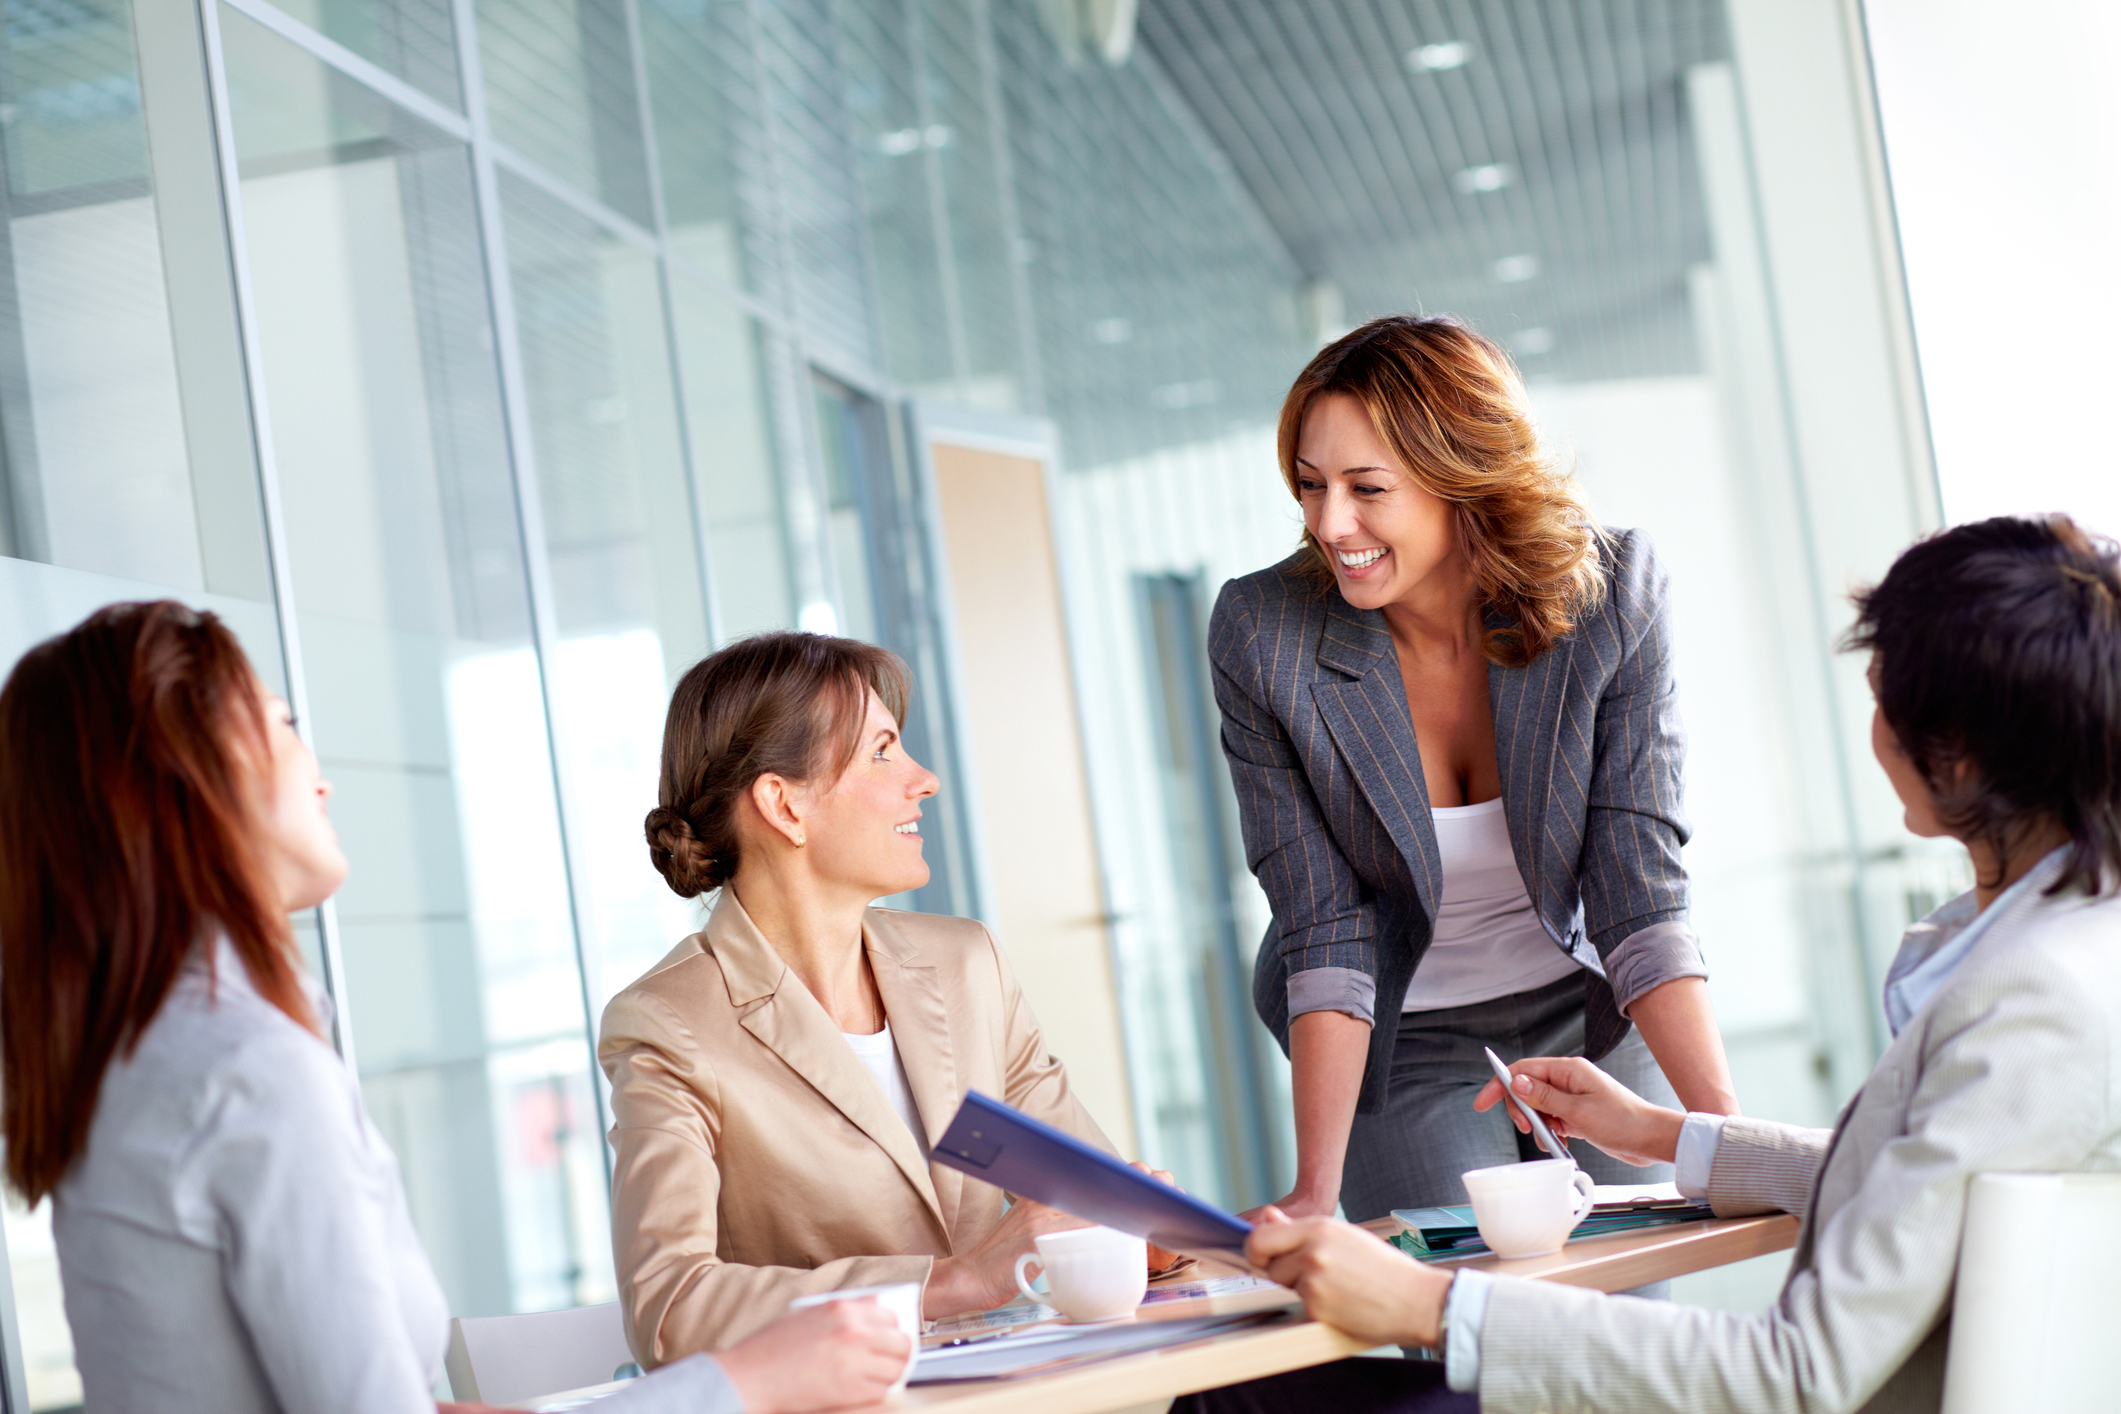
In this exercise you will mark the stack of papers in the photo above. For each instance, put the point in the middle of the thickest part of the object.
(1037, 1350)
(1433, 1233)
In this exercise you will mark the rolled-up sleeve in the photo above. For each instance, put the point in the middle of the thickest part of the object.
(1648, 958)
(1324, 919)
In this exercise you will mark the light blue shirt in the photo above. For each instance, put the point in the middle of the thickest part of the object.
(1930, 952)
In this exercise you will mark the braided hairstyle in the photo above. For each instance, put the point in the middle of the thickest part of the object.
(786, 704)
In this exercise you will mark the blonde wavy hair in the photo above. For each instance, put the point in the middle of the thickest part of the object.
(1449, 404)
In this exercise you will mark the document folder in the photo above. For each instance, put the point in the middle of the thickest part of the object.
(1008, 1148)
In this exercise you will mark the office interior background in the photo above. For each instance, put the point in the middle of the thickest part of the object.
(486, 362)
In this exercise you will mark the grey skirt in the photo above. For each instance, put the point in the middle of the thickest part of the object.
(1411, 1154)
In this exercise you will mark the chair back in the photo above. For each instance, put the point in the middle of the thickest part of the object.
(507, 1359)
(2038, 1290)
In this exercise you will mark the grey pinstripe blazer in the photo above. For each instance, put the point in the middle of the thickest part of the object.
(2013, 1066)
(1335, 812)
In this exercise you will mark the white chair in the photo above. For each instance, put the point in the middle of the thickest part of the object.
(2039, 1285)
(507, 1359)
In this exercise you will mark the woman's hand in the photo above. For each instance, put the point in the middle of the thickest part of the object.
(1577, 1098)
(1350, 1279)
(984, 1275)
(835, 1355)
(1327, 1053)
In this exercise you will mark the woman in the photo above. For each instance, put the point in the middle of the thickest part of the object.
(1996, 665)
(1449, 719)
(779, 1077)
(231, 1229)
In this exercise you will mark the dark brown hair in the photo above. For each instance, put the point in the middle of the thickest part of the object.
(1998, 666)
(1449, 404)
(131, 809)
(787, 704)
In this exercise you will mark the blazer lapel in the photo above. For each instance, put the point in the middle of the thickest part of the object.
(1370, 725)
(920, 1022)
(1527, 703)
(776, 1008)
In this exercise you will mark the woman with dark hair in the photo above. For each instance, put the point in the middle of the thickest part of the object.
(1449, 718)
(779, 1078)
(1996, 664)
(232, 1232)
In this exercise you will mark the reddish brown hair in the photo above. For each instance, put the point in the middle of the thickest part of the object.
(786, 704)
(1449, 404)
(131, 756)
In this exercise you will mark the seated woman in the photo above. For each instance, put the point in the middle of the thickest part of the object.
(232, 1232)
(778, 1078)
(1996, 665)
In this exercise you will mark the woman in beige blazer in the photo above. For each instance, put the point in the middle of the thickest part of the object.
(760, 1157)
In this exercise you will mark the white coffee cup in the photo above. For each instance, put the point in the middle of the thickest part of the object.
(1528, 1210)
(1094, 1273)
(901, 1298)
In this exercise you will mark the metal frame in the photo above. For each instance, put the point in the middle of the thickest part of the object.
(282, 572)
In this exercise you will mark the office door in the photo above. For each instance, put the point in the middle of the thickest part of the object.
(1022, 744)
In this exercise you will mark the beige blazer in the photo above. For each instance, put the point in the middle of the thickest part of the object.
(757, 1160)
(2013, 1066)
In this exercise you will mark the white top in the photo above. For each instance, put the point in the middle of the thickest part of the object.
(879, 1055)
(1488, 941)
(235, 1237)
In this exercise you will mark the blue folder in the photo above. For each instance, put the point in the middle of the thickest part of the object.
(1008, 1148)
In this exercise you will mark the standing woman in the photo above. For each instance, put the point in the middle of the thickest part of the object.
(1450, 722)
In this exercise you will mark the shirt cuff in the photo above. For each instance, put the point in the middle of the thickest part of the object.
(1333, 989)
(1646, 959)
(1463, 1314)
(1698, 1138)
(695, 1385)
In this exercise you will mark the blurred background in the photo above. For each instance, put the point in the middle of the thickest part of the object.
(486, 362)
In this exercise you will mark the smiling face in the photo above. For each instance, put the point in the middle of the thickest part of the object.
(863, 832)
(1387, 535)
(301, 847)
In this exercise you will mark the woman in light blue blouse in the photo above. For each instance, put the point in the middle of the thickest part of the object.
(232, 1232)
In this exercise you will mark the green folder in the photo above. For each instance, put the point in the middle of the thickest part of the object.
(1433, 1233)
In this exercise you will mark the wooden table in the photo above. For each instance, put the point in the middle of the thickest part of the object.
(1615, 1263)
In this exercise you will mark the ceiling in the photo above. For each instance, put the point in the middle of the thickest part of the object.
(1524, 163)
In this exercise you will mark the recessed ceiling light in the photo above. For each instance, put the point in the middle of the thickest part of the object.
(1494, 176)
(1516, 269)
(1536, 340)
(1433, 58)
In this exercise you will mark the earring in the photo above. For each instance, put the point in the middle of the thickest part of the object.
(802, 840)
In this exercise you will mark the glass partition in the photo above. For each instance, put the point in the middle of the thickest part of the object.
(560, 90)
(425, 694)
(620, 537)
(724, 357)
(414, 39)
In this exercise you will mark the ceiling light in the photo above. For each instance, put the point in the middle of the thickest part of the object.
(1433, 58)
(1492, 177)
(1536, 340)
(1112, 331)
(1516, 269)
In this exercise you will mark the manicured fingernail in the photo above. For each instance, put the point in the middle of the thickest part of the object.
(1522, 1084)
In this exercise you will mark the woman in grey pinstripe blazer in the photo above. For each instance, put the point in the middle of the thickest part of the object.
(1996, 664)
(1456, 651)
